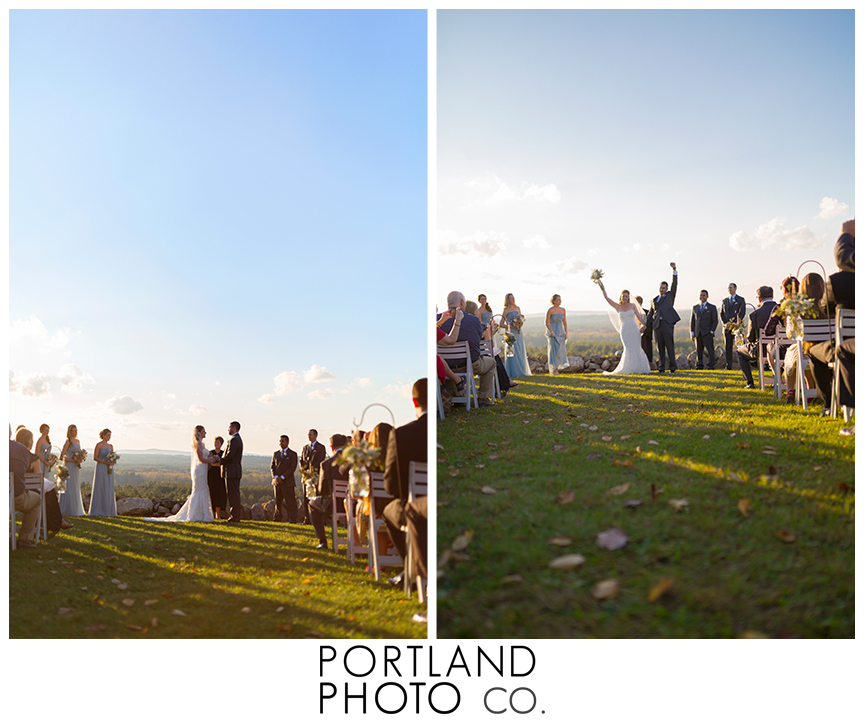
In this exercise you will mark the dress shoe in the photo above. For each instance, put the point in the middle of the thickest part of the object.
(485, 403)
(397, 580)
(26, 544)
(749, 386)
(66, 525)
(321, 546)
(847, 431)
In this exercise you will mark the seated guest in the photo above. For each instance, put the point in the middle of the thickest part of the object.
(473, 309)
(407, 443)
(471, 331)
(282, 468)
(758, 319)
(839, 292)
(26, 501)
(444, 339)
(321, 507)
(417, 520)
(54, 521)
(790, 286)
(813, 287)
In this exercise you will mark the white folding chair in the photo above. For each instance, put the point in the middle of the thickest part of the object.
(762, 357)
(779, 363)
(35, 482)
(815, 331)
(418, 486)
(375, 524)
(340, 493)
(486, 349)
(460, 354)
(845, 324)
(440, 399)
(12, 533)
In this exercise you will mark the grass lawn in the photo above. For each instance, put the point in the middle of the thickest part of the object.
(763, 546)
(126, 578)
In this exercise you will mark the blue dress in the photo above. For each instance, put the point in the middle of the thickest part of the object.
(70, 501)
(555, 343)
(485, 319)
(102, 502)
(517, 365)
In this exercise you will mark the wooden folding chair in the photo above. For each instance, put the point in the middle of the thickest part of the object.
(12, 533)
(418, 486)
(815, 331)
(340, 493)
(375, 524)
(845, 324)
(35, 482)
(486, 349)
(459, 354)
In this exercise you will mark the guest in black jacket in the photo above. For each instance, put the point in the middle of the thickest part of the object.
(322, 506)
(758, 320)
(282, 468)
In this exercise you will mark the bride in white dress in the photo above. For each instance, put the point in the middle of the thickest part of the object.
(629, 322)
(197, 506)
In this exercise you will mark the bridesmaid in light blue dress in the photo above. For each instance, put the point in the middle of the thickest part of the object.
(517, 364)
(486, 313)
(102, 501)
(43, 450)
(556, 336)
(70, 501)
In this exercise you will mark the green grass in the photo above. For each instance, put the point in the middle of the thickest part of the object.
(732, 573)
(253, 580)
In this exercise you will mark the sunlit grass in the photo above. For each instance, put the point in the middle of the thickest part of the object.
(198, 580)
(694, 436)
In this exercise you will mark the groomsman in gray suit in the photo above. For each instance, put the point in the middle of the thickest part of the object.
(662, 317)
(703, 323)
(232, 471)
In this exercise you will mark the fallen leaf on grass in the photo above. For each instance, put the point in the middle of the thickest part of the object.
(767, 451)
(128, 602)
(606, 438)
(618, 489)
(486, 490)
(246, 610)
(625, 437)
(632, 504)
(65, 610)
(154, 622)
(150, 602)
(624, 463)
(594, 456)
(706, 437)
(285, 628)
(567, 562)
(462, 541)
(558, 448)
(179, 613)
(817, 468)
(454, 473)
(753, 635)
(736, 477)
(660, 589)
(493, 456)
(566, 497)
(81, 572)
(786, 536)
(592, 428)
(845, 488)
(605, 589)
(560, 541)
(511, 579)
(122, 586)
(612, 539)
(743, 445)
(653, 442)
(492, 444)
(731, 435)
(134, 627)
(679, 504)
(480, 466)
(744, 506)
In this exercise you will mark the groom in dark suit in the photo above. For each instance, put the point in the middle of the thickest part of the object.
(733, 309)
(662, 317)
(232, 470)
(703, 323)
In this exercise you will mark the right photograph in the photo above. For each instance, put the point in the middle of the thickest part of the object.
(645, 324)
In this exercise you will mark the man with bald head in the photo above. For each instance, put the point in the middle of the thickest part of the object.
(471, 330)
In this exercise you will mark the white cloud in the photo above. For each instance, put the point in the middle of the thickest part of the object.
(124, 405)
(400, 390)
(569, 266)
(591, 252)
(480, 244)
(547, 193)
(774, 234)
(197, 409)
(73, 379)
(287, 381)
(363, 382)
(317, 373)
(536, 241)
(832, 207)
(320, 394)
(492, 190)
(32, 385)
(33, 334)
(267, 399)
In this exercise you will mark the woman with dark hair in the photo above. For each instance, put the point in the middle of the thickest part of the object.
(789, 286)
(70, 501)
(486, 313)
(102, 500)
(556, 335)
(812, 286)
(516, 359)
(216, 483)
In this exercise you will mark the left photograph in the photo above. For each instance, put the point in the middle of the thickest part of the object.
(217, 423)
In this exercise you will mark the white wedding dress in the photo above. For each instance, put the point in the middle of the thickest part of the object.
(633, 359)
(197, 506)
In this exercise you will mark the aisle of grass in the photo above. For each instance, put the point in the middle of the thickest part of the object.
(558, 452)
(125, 577)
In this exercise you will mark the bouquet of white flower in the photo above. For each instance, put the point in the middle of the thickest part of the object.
(596, 275)
(797, 306)
(111, 459)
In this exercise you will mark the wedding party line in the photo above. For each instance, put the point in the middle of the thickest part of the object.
(815, 359)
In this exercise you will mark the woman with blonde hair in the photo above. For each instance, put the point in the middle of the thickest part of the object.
(628, 320)
(102, 500)
(70, 501)
(516, 361)
(556, 335)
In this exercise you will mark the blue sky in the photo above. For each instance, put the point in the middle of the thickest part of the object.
(721, 140)
(215, 216)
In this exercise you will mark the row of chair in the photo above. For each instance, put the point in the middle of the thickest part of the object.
(36, 483)
(837, 330)
(456, 356)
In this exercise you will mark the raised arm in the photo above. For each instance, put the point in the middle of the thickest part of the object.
(674, 289)
(608, 300)
(453, 336)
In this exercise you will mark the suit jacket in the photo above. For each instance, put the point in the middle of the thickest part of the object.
(758, 320)
(663, 307)
(232, 458)
(733, 310)
(406, 443)
(312, 460)
(330, 471)
(703, 323)
(839, 292)
(284, 465)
